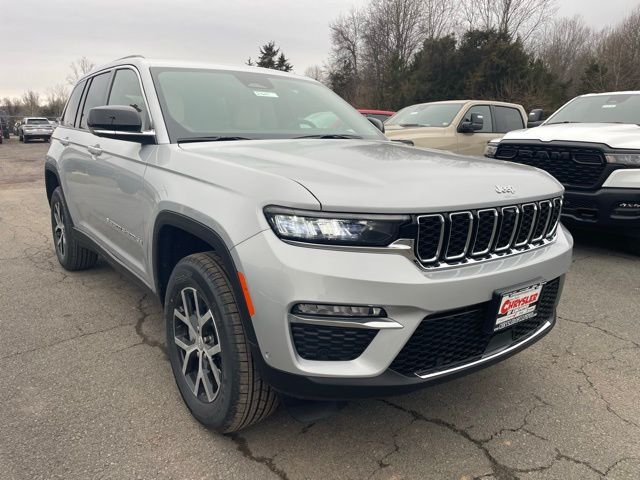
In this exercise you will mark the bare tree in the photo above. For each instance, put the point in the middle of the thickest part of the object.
(521, 18)
(79, 68)
(566, 50)
(31, 103)
(56, 99)
(439, 18)
(316, 72)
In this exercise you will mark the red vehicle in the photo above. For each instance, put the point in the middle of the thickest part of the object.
(381, 115)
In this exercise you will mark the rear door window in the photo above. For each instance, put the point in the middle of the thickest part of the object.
(126, 91)
(96, 96)
(507, 119)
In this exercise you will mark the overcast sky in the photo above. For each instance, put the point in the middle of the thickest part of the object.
(44, 36)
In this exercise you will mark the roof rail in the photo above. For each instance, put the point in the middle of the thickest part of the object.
(129, 56)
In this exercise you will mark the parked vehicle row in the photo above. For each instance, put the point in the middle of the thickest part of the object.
(296, 250)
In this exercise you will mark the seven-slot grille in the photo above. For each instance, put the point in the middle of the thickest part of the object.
(457, 237)
(572, 166)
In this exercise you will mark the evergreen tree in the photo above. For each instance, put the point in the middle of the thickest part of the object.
(271, 57)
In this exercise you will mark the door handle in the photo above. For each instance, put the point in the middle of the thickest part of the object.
(95, 150)
(64, 141)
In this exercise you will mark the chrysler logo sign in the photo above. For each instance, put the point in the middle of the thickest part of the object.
(505, 189)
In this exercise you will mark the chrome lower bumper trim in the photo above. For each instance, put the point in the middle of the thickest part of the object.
(489, 357)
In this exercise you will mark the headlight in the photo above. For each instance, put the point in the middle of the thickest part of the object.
(332, 228)
(491, 149)
(624, 158)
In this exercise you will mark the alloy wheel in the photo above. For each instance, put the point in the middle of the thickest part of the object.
(58, 229)
(198, 344)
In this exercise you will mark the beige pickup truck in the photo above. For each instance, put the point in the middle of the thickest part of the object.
(461, 126)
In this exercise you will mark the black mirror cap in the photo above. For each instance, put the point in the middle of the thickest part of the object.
(377, 123)
(119, 122)
(536, 116)
(119, 118)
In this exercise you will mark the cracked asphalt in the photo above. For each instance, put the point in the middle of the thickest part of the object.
(86, 390)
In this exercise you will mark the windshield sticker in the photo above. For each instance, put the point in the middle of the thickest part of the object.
(259, 93)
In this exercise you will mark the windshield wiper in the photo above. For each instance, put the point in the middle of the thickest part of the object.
(210, 139)
(566, 121)
(330, 135)
(412, 125)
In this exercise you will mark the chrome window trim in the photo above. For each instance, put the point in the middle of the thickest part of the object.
(440, 242)
(533, 224)
(493, 232)
(546, 222)
(469, 232)
(515, 228)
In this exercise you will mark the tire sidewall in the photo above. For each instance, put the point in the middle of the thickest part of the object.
(218, 413)
(58, 197)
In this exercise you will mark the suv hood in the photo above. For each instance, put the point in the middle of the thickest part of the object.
(615, 135)
(382, 176)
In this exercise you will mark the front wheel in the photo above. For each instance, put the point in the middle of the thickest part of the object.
(209, 353)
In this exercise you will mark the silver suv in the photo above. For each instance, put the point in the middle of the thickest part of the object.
(313, 261)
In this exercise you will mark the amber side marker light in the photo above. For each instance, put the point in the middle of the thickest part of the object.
(245, 292)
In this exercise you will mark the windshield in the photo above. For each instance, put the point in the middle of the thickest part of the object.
(616, 108)
(37, 121)
(426, 115)
(201, 103)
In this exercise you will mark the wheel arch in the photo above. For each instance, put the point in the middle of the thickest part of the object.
(176, 236)
(51, 179)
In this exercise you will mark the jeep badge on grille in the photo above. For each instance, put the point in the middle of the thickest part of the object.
(505, 189)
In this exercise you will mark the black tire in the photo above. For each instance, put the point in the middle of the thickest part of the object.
(71, 255)
(242, 397)
(24, 139)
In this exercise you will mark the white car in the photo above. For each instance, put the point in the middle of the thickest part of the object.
(592, 146)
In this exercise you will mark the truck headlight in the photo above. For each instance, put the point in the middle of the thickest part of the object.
(491, 149)
(335, 228)
(624, 158)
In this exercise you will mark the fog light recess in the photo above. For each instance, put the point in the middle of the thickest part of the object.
(344, 311)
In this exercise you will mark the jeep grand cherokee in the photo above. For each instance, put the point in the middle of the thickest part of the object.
(320, 262)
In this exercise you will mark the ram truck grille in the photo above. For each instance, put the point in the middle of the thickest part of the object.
(458, 237)
(572, 166)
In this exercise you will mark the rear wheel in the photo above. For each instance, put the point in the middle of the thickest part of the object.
(71, 255)
(209, 353)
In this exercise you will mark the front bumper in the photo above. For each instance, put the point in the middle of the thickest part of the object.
(607, 208)
(280, 275)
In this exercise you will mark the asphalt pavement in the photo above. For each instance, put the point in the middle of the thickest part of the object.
(86, 391)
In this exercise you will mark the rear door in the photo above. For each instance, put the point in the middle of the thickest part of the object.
(507, 119)
(110, 173)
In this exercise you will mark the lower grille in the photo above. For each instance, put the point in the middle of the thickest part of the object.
(317, 342)
(448, 339)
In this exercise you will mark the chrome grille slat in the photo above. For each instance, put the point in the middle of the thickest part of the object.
(455, 238)
(465, 222)
(492, 213)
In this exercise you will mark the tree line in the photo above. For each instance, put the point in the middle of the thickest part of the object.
(393, 53)
(50, 105)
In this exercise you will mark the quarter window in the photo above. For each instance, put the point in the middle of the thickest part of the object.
(126, 91)
(69, 117)
(485, 112)
(96, 96)
(507, 119)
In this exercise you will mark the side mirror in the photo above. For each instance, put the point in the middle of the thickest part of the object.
(469, 126)
(377, 123)
(535, 118)
(119, 122)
